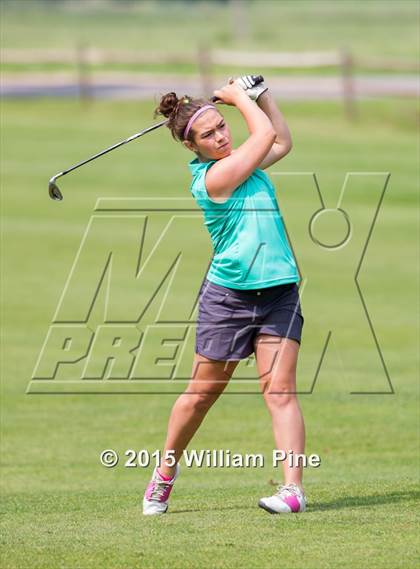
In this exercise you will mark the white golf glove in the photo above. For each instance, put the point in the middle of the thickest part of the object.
(247, 83)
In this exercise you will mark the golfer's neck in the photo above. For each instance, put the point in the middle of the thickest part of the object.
(203, 158)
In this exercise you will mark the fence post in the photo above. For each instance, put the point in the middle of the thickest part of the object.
(347, 73)
(83, 74)
(204, 65)
(240, 20)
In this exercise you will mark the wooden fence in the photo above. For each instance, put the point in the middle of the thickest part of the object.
(86, 58)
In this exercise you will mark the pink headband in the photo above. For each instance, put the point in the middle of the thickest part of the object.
(195, 115)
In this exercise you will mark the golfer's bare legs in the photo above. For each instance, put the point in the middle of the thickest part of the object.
(276, 362)
(209, 379)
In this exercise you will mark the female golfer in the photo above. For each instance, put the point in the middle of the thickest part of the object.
(249, 301)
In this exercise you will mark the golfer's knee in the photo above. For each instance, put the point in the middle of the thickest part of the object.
(279, 395)
(200, 402)
(279, 399)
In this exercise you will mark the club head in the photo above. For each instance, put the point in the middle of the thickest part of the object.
(54, 191)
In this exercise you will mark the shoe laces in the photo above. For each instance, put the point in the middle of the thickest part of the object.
(159, 487)
(289, 490)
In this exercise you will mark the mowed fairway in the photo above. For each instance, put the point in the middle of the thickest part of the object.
(62, 509)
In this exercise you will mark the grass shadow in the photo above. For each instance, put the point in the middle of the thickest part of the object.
(360, 501)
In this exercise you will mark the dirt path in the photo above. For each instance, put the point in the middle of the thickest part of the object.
(146, 86)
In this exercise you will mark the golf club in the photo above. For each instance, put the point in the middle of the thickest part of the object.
(54, 190)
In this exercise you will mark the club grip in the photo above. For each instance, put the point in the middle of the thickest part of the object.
(257, 78)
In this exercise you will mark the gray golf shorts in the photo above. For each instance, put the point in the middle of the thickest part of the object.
(230, 319)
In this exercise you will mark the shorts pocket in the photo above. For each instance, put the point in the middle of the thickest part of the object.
(214, 307)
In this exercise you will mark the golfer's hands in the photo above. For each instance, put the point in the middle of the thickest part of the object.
(230, 94)
(247, 83)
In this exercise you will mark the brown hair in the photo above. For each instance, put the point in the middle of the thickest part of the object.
(179, 112)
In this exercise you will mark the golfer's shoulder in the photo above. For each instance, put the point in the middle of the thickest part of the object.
(198, 182)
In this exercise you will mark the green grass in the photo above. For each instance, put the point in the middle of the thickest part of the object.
(61, 509)
(363, 27)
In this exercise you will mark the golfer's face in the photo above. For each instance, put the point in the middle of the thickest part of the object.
(212, 135)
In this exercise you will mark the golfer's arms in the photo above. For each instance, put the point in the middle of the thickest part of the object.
(228, 173)
(283, 142)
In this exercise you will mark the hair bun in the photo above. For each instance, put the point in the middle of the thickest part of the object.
(178, 112)
(167, 105)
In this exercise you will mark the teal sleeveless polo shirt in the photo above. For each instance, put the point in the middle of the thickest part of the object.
(251, 249)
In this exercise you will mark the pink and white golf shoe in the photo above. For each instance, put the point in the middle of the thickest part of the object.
(156, 497)
(287, 500)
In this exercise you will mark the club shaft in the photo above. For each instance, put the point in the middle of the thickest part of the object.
(113, 147)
